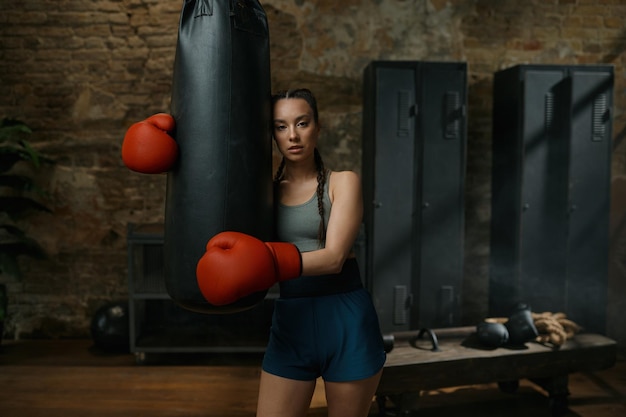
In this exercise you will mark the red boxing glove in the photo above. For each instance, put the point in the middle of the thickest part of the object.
(148, 147)
(236, 265)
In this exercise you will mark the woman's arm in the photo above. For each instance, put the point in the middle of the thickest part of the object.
(343, 225)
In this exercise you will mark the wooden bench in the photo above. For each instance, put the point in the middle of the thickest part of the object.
(413, 365)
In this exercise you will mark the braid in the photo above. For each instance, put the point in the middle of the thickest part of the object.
(280, 171)
(321, 181)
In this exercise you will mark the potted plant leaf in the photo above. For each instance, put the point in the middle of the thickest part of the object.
(18, 196)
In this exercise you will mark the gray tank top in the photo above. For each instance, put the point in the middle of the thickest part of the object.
(299, 224)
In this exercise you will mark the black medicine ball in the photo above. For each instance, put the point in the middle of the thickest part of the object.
(110, 327)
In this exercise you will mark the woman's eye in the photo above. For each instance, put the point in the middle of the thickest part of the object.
(302, 124)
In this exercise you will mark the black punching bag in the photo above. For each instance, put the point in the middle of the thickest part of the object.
(221, 103)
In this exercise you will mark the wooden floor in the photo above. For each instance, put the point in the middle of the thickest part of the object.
(71, 378)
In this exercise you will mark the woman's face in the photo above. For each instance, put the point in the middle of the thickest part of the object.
(295, 130)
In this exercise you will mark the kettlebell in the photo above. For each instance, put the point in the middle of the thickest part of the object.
(492, 334)
(521, 326)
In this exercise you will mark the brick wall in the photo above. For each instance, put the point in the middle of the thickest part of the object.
(80, 72)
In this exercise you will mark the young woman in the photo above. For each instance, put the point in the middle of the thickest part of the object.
(324, 322)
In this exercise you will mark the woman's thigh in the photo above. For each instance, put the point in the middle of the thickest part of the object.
(352, 398)
(283, 397)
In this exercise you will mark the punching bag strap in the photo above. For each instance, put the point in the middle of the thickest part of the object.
(203, 8)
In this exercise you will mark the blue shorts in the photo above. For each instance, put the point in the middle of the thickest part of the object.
(334, 336)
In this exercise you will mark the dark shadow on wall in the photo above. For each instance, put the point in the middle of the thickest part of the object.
(474, 301)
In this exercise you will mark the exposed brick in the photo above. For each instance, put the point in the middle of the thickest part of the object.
(81, 72)
(614, 22)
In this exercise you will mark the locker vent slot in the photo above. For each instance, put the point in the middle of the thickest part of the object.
(549, 112)
(399, 304)
(599, 118)
(452, 104)
(403, 113)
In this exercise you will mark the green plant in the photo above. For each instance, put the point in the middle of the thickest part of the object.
(17, 192)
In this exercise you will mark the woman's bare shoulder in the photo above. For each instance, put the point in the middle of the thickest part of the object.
(344, 176)
(344, 180)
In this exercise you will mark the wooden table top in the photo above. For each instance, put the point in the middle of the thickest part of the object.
(461, 360)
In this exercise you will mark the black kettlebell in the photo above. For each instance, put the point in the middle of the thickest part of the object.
(521, 326)
(492, 334)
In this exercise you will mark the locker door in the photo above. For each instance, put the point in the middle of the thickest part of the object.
(437, 285)
(590, 165)
(543, 223)
(392, 230)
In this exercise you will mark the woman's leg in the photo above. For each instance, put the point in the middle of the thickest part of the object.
(283, 397)
(351, 399)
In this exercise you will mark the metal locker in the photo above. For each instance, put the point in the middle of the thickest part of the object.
(413, 179)
(550, 190)
(589, 197)
(529, 145)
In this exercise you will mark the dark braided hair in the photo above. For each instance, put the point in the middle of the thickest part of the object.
(308, 96)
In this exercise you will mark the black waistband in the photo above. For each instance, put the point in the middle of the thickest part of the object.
(349, 279)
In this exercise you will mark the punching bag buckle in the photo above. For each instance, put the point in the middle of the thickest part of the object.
(204, 8)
